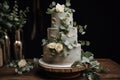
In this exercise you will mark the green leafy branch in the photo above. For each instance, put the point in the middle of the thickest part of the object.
(26, 68)
(93, 65)
(18, 16)
(5, 20)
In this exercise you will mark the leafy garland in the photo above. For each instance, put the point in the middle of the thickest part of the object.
(23, 65)
(87, 59)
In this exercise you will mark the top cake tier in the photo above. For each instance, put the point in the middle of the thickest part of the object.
(61, 16)
(64, 19)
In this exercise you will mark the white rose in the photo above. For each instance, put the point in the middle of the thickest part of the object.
(51, 45)
(59, 47)
(22, 63)
(60, 8)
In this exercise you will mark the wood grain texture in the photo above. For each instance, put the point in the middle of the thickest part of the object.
(112, 72)
(63, 69)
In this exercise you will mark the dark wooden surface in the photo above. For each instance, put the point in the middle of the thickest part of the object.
(112, 72)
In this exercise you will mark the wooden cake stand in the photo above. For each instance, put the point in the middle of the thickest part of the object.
(61, 71)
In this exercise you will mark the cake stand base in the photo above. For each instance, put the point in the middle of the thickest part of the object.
(61, 71)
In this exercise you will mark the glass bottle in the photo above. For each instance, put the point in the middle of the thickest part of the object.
(7, 49)
(17, 46)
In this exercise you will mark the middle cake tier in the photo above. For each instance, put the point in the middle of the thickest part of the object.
(70, 37)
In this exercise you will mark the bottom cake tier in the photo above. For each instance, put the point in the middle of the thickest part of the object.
(72, 56)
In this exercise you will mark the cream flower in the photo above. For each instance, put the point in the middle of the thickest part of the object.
(59, 47)
(51, 45)
(22, 63)
(60, 8)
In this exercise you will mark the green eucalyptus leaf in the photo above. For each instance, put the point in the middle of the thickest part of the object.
(23, 69)
(31, 67)
(11, 64)
(85, 59)
(75, 64)
(81, 29)
(85, 27)
(19, 72)
(50, 11)
(5, 4)
(88, 54)
(53, 3)
(14, 65)
(44, 42)
(83, 33)
(82, 43)
(27, 69)
(87, 43)
(74, 24)
(35, 60)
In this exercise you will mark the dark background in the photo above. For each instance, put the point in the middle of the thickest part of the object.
(101, 16)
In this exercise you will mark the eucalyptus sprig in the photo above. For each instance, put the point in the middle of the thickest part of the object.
(18, 16)
(87, 58)
(23, 65)
(5, 20)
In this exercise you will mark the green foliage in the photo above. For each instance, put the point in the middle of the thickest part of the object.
(18, 17)
(11, 18)
(5, 20)
(44, 42)
(52, 6)
(28, 67)
(68, 3)
(82, 29)
(84, 43)
(63, 29)
(90, 72)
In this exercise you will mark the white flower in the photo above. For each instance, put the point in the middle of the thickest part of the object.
(59, 8)
(22, 63)
(51, 45)
(59, 47)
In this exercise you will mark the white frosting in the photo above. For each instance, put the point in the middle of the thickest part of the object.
(54, 65)
(71, 37)
(63, 20)
(71, 56)
(67, 18)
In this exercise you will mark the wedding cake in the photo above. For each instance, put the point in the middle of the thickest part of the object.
(61, 46)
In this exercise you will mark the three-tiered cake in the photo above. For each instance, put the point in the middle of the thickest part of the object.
(61, 48)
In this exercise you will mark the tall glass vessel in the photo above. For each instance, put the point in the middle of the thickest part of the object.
(17, 45)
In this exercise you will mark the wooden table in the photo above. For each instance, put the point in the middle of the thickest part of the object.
(112, 73)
